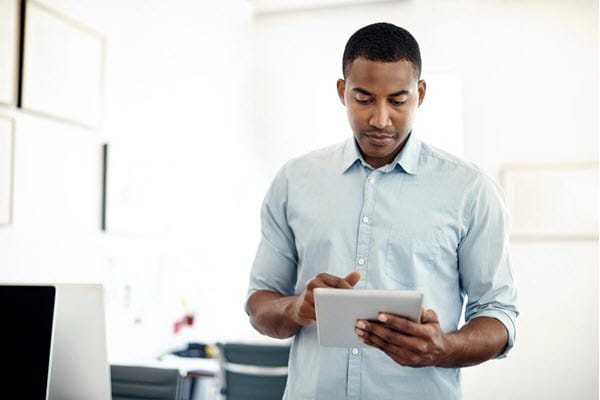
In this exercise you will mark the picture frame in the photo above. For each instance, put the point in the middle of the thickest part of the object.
(61, 55)
(10, 22)
(133, 191)
(552, 201)
(7, 133)
(103, 221)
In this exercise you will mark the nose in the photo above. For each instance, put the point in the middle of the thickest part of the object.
(380, 118)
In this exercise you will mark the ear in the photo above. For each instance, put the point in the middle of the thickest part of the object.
(341, 88)
(422, 89)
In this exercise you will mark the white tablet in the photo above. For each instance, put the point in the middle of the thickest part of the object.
(338, 309)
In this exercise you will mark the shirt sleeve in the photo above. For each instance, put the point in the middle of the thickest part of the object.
(484, 265)
(275, 263)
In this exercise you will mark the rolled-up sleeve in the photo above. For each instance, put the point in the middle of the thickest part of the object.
(275, 263)
(484, 264)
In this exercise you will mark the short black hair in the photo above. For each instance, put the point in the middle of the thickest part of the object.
(382, 42)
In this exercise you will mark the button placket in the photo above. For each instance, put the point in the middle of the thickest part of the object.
(362, 264)
(365, 224)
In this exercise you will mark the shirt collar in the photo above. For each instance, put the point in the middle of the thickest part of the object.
(407, 159)
(351, 155)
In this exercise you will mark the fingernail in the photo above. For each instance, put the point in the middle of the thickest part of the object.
(358, 332)
(382, 318)
(361, 325)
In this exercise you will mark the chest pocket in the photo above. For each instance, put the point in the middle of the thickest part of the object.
(411, 256)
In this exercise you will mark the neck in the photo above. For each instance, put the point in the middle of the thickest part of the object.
(378, 162)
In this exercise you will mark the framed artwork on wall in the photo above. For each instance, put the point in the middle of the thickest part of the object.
(9, 50)
(135, 192)
(104, 187)
(552, 201)
(6, 169)
(61, 55)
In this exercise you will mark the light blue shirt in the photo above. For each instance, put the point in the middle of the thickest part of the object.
(428, 221)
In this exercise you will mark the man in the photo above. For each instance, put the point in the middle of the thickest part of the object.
(384, 211)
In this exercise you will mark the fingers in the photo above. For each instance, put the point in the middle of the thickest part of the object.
(305, 307)
(306, 311)
(429, 316)
(352, 278)
(377, 332)
(324, 280)
(332, 281)
(402, 356)
(402, 324)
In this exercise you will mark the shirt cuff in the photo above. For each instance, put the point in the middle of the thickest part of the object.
(507, 320)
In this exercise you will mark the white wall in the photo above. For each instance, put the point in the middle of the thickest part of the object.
(179, 89)
(216, 100)
(56, 204)
(177, 97)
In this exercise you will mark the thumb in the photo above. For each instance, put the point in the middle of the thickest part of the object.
(352, 278)
(429, 316)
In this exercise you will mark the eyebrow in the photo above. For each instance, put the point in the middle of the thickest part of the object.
(367, 93)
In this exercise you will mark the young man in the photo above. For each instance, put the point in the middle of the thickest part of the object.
(384, 211)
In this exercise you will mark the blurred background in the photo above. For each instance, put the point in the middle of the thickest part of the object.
(152, 181)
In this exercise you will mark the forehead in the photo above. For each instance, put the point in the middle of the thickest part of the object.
(377, 75)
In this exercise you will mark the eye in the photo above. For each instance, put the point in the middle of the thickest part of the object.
(397, 103)
(362, 100)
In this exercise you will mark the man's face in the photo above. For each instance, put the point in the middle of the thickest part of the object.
(381, 100)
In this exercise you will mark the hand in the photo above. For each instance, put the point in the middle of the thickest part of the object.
(304, 306)
(417, 345)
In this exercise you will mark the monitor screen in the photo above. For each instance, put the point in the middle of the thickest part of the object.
(26, 315)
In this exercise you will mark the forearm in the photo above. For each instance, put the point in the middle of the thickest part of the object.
(479, 340)
(272, 314)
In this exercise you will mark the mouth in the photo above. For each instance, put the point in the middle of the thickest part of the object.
(379, 139)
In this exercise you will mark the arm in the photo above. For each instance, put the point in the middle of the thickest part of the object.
(273, 275)
(272, 314)
(424, 344)
(279, 316)
(484, 264)
(481, 339)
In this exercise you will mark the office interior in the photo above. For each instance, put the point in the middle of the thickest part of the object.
(152, 185)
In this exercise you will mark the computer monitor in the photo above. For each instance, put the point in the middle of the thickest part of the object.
(26, 315)
(80, 367)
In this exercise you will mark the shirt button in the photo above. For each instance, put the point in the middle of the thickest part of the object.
(355, 351)
(372, 180)
(361, 261)
(366, 220)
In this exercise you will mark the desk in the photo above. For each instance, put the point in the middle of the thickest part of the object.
(201, 372)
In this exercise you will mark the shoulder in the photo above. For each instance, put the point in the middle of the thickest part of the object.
(300, 169)
(464, 179)
(322, 159)
(434, 159)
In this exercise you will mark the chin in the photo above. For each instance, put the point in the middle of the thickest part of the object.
(377, 152)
